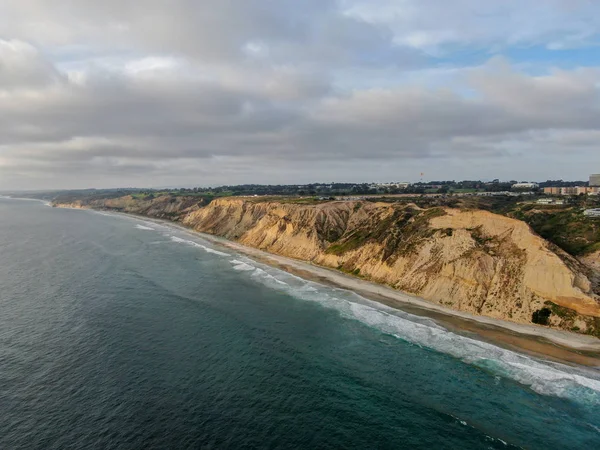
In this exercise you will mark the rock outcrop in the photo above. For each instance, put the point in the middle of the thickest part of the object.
(473, 261)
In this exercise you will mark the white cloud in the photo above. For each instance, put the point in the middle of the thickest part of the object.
(147, 93)
(22, 65)
(153, 64)
(432, 24)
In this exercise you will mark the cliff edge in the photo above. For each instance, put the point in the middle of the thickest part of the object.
(470, 260)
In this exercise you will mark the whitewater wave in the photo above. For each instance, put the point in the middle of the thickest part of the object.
(543, 377)
(242, 266)
(143, 227)
(196, 244)
(43, 202)
(265, 276)
(155, 226)
(213, 251)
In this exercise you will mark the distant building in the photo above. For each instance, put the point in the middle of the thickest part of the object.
(552, 190)
(595, 180)
(583, 190)
(527, 186)
(550, 201)
(397, 185)
(592, 212)
(572, 190)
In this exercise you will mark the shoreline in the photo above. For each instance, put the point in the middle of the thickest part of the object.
(555, 345)
(547, 343)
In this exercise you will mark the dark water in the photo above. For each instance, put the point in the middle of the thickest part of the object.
(115, 336)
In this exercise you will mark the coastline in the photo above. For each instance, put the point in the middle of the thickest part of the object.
(546, 343)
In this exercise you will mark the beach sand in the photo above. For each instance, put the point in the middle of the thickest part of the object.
(548, 343)
(538, 341)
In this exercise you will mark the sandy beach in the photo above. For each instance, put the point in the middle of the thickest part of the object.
(557, 345)
(548, 343)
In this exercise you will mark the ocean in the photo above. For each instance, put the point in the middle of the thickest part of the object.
(120, 333)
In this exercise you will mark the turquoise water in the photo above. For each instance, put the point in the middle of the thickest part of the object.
(120, 333)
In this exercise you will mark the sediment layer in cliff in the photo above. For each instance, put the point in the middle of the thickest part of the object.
(473, 261)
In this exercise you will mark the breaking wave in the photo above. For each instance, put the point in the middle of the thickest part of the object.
(142, 227)
(544, 377)
(242, 266)
(43, 202)
(196, 244)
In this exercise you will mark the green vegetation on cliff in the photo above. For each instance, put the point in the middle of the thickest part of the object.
(482, 270)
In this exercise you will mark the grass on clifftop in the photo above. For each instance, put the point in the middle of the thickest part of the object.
(287, 200)
(564, 226)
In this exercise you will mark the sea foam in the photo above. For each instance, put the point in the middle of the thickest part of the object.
(543, 377)
(196, 244)
(242, 266)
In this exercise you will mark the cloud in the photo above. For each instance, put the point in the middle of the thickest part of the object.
(438, 26)
(22, 65)
(287, 31)
(129, 118)
(197, 92)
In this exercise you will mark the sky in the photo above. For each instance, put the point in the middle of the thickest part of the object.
(132, 93)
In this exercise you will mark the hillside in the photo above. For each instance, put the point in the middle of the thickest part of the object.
(470, 260)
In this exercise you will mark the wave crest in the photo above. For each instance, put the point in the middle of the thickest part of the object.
(195, 244)
(543, 377)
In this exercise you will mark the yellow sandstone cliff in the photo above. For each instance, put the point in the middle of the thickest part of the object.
(473, 261)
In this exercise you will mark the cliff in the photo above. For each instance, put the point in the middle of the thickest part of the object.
(470, 260)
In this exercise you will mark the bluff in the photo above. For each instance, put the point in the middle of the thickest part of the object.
(469, 260)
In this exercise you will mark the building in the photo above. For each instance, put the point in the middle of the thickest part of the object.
(575, 190)
(550, 201)
(397, 185)
(525, 186)
(595, 180)
(572, 190)
(552, 190)
(592, 212)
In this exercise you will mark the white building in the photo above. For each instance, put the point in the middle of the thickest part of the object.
(592, 212)
(550, 201)
(595, 180)
(525, 186)
(398, 185)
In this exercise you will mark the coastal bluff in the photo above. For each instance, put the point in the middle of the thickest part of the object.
(469, 260)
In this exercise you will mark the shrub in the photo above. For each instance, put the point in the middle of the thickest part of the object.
(541, 316)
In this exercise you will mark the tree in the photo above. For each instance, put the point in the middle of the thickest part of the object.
(541, 316)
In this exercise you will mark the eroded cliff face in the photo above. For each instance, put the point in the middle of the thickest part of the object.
(473, 261)
(163, 207)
